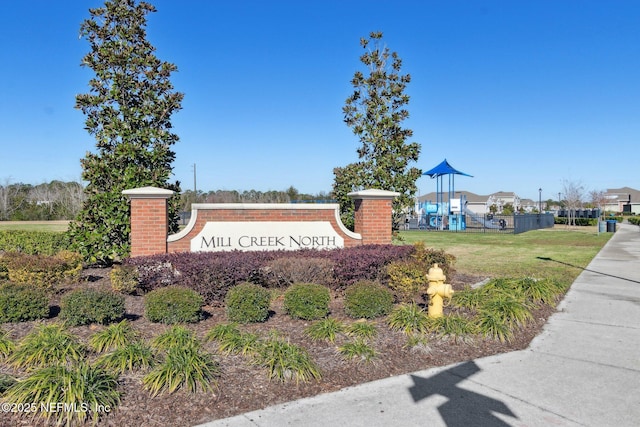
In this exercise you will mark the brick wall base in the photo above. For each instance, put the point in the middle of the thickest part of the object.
(149, 220)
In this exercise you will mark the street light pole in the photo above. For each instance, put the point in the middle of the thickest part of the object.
(540, 200)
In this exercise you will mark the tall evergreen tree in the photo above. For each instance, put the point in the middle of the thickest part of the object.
(375, 112)
(128, 110)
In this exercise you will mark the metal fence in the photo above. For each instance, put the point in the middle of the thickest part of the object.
(479, 223)
(528, 222)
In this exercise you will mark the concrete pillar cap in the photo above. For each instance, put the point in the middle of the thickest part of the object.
(373, 193)
(148, 193)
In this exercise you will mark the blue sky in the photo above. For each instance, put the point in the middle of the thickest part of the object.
(520, 94)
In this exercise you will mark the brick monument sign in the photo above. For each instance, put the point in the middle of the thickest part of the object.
(257, 226)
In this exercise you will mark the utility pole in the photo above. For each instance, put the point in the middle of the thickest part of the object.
(195, 192)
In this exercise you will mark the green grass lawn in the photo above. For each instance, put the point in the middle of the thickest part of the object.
(58, 226)
(557, 253)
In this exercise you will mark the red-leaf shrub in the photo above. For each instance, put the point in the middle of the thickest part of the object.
(366, 262)
(211, 274)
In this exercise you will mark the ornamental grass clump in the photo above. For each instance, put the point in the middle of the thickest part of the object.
(358, 349)
(409, 318)
(540, 291)
(307, 301)
(112, 337)
(188, 367)
(6, 344)
(85, 306)
(178, 336)
(248, 303)
(325, 329)
(70, 395)
(47, 345)
(367, 299)
(173, 304)
(231, 340)
(469, 298)
(132, 356)
(455, 327)
(513, 309)
(184, 364)
(285, 361)
(361, 329)
(535, 291)
(22, 302)
(494, 326)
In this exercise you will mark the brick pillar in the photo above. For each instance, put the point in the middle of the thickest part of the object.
(373, 219)
(149, 220)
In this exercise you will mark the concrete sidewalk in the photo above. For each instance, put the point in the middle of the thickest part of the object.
(582, 370)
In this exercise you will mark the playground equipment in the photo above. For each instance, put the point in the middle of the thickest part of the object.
(437, 290)
(448, 215)
(443, 216)
(487, 221)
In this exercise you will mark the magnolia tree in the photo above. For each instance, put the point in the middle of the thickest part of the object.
(128, 111)
(375, 112)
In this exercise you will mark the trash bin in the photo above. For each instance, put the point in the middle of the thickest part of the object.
(611, 225)
(602, 226)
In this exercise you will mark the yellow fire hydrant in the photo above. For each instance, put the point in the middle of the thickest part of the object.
(437, 290)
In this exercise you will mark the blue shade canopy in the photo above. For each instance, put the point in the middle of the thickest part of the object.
(444, 168)
(438, 172)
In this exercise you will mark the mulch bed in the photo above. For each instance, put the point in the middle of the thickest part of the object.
(244, 387)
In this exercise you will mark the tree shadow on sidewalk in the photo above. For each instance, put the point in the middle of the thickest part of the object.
(586, 269)
(464, 407)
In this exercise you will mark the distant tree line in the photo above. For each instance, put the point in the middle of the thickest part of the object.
(59, 200)
(290, 195)
(55, 200)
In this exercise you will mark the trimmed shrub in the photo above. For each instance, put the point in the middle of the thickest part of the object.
(4, 273)
(248, 303)
(33, 242)
(428, 256)
(283, 272)
(173, 304)
(124, 279)
(367, 262)
(85, 306)
(212, 274)
(308, 301)
(407, 278)
(367, 300)
(42, 270)
(20, 302)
